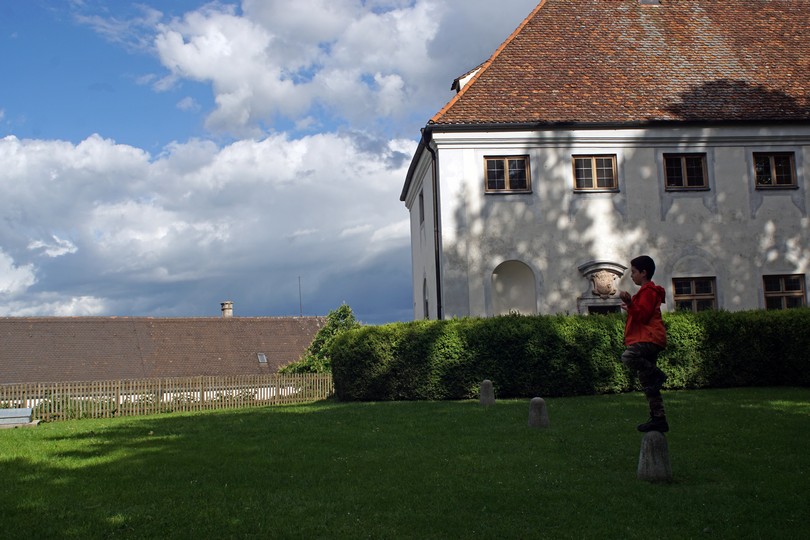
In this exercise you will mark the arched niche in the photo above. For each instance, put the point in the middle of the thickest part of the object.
(514, 289)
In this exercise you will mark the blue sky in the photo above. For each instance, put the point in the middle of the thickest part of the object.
(157, 158)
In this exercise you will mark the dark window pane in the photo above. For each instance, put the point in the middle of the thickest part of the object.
(674, 172)
(772, 283)
(495, 174)
(703, 305)
(793, 283)
(783, 171)
(683, 286)
(604, 173)
(773, 302)
(762, 166)
(603, 310)
(683, 305)
(794, 301)
(703, 286)
(517, 174)
(583, 173)
(694, 171)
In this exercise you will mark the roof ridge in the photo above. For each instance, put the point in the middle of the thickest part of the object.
(483, 67)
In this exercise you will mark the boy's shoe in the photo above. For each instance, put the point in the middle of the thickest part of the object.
(655, 423)
(657, 381)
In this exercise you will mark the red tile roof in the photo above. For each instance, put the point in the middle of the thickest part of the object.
(55, 349)
(619, 61)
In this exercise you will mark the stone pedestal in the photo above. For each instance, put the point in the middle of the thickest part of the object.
(538, 414)
(487, 393)
(653, 460)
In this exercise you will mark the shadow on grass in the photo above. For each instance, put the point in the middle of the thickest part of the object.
(413, 470)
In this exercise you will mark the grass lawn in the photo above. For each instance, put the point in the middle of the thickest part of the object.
(423, 470)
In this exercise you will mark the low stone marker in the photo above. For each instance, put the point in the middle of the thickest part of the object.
(653, 460)
(11, 418)
(538, 414)
(487, 393)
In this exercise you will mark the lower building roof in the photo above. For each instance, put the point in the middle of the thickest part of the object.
(54, 349)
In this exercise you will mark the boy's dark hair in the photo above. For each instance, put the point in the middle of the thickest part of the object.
(644, 263)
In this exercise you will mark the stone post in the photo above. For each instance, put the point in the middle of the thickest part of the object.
(538, 415)
(487, 393)
(653, 460)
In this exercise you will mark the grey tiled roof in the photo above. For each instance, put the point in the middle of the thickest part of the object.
(53, 349)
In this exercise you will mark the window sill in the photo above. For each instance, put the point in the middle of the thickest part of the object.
(775, 188)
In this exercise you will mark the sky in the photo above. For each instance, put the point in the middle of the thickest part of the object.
(158, 158)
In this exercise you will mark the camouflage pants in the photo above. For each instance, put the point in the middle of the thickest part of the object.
(642, 357)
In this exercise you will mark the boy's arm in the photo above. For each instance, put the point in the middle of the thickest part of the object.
(642, 306)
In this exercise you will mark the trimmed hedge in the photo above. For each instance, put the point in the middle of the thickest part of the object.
(560, 355)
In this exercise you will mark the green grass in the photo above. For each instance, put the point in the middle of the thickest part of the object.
(422, 470)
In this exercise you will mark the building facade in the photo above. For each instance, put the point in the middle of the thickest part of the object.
(536, 185)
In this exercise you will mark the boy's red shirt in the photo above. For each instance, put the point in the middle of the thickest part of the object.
(644, 323)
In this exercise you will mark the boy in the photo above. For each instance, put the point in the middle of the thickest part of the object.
(645, 337)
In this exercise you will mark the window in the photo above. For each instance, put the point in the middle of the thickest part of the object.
(595, 173)
(604, 309)
(775, 170)
(783, 292)
(695, 294)
(425, 299)
(262, 357)
(507, 174)
(421, 207)
(685, 171)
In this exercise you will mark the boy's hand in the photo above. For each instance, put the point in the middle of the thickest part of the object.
(625, 297)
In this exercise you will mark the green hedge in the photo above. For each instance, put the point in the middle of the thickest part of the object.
(526, 356)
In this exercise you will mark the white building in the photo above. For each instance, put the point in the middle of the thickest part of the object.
(600, 131)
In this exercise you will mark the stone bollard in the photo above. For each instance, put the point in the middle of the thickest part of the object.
(538, 415)
(653, 461)
(487, 393)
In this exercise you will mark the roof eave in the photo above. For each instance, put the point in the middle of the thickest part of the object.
(427, 133)
(534, 126)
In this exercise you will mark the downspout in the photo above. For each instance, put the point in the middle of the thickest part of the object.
(436, 250)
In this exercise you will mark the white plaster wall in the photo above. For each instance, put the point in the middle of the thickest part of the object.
(732, 231)
(423, 265)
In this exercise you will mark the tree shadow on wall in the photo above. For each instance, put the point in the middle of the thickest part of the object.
(727, 99)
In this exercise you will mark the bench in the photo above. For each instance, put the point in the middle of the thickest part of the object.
(11, 418)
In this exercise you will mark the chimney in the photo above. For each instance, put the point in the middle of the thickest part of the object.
(227, 309)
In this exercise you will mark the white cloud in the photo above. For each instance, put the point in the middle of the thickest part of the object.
(15, 279)
(55, 247)
(55, 306)
(394, 231)
(129, 32)
(356, 230)
(188, 104)
(282, 59)
(197, 212)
